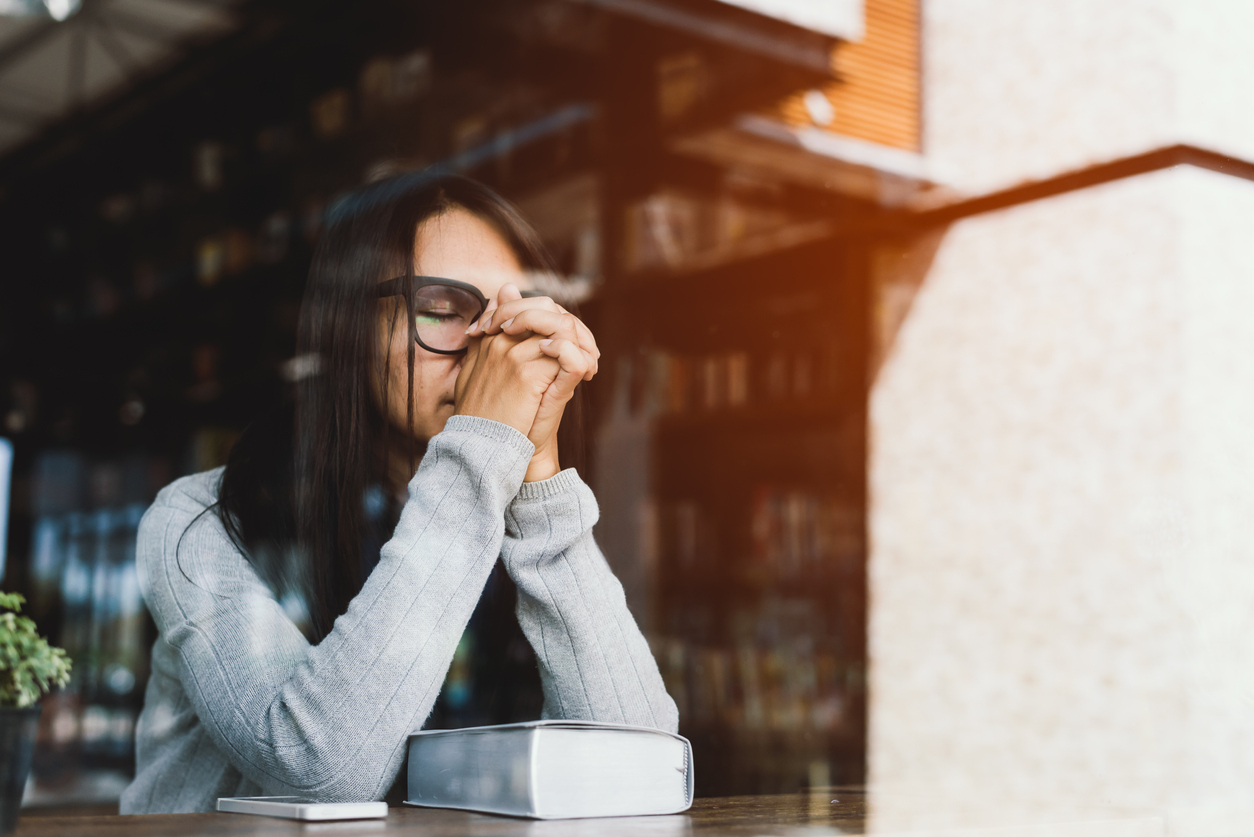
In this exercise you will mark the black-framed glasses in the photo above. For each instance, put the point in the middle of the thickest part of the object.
(440, 309)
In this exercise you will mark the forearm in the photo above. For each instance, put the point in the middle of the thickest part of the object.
(594, 662)
(333, 718)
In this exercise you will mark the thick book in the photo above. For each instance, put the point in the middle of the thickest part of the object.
(552, 770)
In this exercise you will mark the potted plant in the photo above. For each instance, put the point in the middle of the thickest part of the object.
(29, 667)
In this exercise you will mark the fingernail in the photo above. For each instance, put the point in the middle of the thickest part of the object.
(505, 324)
(544, 344)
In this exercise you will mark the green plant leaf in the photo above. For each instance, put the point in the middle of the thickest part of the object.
(29, 666)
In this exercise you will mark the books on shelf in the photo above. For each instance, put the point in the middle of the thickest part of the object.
(657, 382)
(330, 113)
(797, 532)
(763, 681)
(387, 80)
(273, 237)
(207, 165)
(673, 229)
(237, 249)
(552, 770)
(794, 533)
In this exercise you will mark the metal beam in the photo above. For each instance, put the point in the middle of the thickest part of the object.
(76, 80)
(108, 39)
(219, 5)
(36, 35)
(143, 28)
(258, 23)
(506, 141)
(27, 41)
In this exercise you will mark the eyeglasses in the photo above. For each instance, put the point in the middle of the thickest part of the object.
(441, 309)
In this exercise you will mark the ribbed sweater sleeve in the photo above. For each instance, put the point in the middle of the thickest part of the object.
(594, 663)
(331, 720)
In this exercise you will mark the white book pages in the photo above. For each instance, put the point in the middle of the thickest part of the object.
(552, 770)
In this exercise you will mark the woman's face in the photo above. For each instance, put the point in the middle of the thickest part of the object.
(453, 245)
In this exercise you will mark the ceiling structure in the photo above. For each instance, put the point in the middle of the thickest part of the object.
(51, 69)
(66, 64)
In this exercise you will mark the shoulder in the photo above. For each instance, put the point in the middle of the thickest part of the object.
(181, 536)
(180, 505)
(191, 494)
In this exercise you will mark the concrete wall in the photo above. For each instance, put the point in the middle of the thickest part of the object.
(1026, 89)
(1062, 429)
(1062, 507)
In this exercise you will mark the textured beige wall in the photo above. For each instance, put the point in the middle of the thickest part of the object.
(1022, 90)
(1209, 553)
(1062, 505)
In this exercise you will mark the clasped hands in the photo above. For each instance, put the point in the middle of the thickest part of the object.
(523, 361)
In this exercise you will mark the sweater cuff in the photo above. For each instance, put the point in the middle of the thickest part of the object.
(494, 430)
(554, 486)
(496, 452)
(558, 510)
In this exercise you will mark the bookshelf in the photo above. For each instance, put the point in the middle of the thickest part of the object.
(163, 256)
(744, 379)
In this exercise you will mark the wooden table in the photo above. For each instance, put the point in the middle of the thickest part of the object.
(842, 811)
(836, 811)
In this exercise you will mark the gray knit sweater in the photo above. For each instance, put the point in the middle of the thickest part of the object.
(240, 704)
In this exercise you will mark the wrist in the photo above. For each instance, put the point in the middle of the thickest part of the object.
(542, 466)
(519, 422)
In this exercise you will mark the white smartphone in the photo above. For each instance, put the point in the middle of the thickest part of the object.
(299, 808)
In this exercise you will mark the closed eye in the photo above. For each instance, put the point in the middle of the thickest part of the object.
(436, 317)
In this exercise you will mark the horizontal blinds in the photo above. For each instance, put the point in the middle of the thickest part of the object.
(877, 95)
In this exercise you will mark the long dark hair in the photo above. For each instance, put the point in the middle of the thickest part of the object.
(292, 495)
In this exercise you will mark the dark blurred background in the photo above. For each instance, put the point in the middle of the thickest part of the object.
(695, 166)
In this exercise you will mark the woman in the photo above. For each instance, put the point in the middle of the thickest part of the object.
(459, 375)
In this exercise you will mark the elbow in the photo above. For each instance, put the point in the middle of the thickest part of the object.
(320, 775)
(312, 758)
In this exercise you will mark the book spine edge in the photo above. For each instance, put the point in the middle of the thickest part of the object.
(689, 777)
(533, 763)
